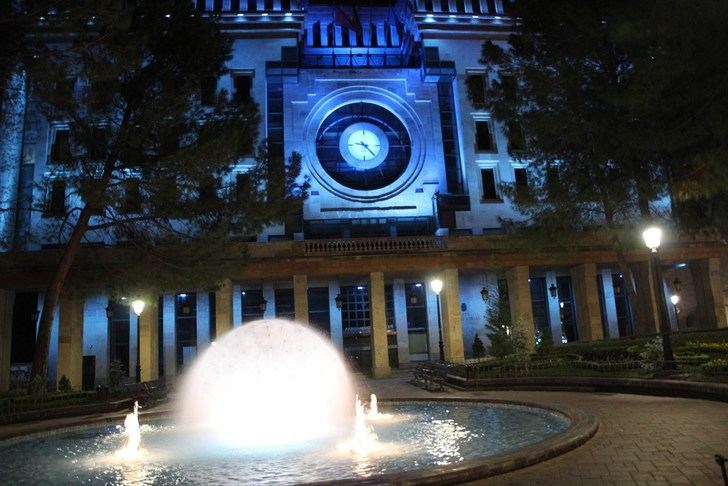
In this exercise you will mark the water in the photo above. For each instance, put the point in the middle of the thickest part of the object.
(416, 435)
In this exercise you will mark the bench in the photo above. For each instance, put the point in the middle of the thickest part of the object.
(431, 375)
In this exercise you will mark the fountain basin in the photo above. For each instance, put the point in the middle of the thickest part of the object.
(442, 441)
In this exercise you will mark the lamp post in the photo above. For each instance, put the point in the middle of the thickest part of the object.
(138, 307)
(653, 237)
(436, 286)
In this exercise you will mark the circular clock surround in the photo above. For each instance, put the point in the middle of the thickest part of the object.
(363, 145)
(392, 103)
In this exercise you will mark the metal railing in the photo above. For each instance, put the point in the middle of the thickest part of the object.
(374, 245)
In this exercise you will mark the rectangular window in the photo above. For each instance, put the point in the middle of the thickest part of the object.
(483, 137)
(61, 148)
(119, 335)
(253, 305)
(285, 308)
(490, 191)
(521, 181)
(569, 329)
(355, 307)
(132, 202)
(56, 205)
(319, 309)
(186, 328)
(476, 89)
(242, 88)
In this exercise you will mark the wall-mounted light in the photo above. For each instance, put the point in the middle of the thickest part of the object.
(677, 285)
(484, 294)
(262, 305)
(553, 290)
(109, 311)
(412, 298)
(652, 237)
(339, 301)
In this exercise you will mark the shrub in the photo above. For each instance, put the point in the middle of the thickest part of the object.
(715, 367)
(64, 384)
(652, 354)
(478, 347)
(706, 347)
(544, 341)
(37, 387)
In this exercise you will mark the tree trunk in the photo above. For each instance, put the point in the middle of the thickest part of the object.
(53, 294)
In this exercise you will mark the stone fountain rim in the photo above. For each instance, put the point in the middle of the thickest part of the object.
(582, 427)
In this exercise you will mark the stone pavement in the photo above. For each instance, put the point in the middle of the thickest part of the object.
(642, 440)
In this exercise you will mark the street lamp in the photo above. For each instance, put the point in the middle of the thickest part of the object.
(436, 286)
(138, 307)
(653, 237)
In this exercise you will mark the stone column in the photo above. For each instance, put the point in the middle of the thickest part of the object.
(519, 298)
(149, 339)
(169, 336)
(300, 298)
(377, 314)
(452, 327)
(70, 340)
(710, 309)
(648, 312)
(400, 321)
(588, 311)
(223, 308)
(7, 301)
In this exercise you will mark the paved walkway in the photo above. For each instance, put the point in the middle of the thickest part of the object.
(641, 439)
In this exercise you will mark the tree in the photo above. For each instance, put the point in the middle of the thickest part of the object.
(575, 85)
(147, 157)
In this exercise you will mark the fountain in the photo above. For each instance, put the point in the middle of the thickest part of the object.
(133, 433)
(271, 402)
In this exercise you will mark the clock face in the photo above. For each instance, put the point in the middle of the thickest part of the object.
(363, 146)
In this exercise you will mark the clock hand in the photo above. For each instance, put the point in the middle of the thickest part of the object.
(366, 146)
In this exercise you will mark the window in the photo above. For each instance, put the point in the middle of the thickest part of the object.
(355, 307)
(56, 205)
(319, 309)
(61, 148)
(285, 308)
(569, 328)
(132, 202)
(476, 89)
(119, 335)
(208, 91)
(185, 328)
(483, 137)
(207, 191)
(490, 191)
(521, 181)
(253, 305)
(242, 87)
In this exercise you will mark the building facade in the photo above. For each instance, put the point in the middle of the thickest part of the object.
(405, 177)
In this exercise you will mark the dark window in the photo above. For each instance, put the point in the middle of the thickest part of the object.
(624, 313)
(61, 148)
(119, 335)
(569, 329)
(389, 306)
(208, 90)
(186, 328)
(416, 306)
(476, 88)
(489, 186)
(552, 180)
(253, 305)
(207, 191)
(242, 85)
(132, 202)
(319, 314)
(539, 304)
(521, 181)
(285, 308)
(355, 307)
(57, 199)
(483, 137)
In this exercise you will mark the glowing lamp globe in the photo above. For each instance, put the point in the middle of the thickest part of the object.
(138, 307)
(652, 237)
(674, 298)
(436, 286)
